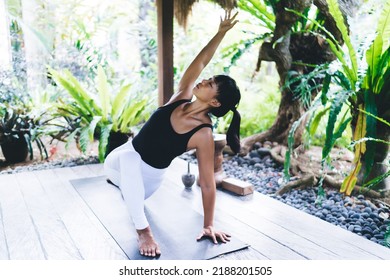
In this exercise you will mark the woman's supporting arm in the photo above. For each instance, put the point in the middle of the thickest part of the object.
(205, 156)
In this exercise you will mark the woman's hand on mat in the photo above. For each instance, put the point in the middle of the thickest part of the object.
(214, 235)
(228, 22)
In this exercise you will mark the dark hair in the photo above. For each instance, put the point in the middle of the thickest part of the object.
(229, 96)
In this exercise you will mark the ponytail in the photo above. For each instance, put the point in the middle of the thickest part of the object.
(233, 132)
(229, 96)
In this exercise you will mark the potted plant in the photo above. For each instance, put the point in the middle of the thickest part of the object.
(17, 132)
(106, 116)
(12, 140)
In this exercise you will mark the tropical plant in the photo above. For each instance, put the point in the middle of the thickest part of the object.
(18, 120)
(17, 126)
(364, 87)
(293, 42)
(99, 113)
(263, 15)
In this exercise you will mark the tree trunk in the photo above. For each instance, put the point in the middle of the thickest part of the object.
(5, 46)
(289, 111)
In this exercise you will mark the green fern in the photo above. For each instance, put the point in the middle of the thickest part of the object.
(334, 9)
(99, 113)
(335, 108)
(258, 9)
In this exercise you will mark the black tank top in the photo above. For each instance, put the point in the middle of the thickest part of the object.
(157, 142)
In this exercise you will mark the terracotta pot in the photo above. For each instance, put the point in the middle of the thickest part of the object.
(15, 150)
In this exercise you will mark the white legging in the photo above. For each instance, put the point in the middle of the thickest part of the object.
(136, 179)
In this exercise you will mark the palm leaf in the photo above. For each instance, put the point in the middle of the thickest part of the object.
(119, 101)
(103, 140)
(84, 139)
(340, 129)
(383, 33)
(335, 109)
(316, 121)
(334, 9)
(84, 97)
(350, 181)
(360, 148)
(325, 88)
(374, 53)
(92, 127)
(238, 49)
(371, 124)
(350, 71)
(384, 23)
(372, 183)
(258, 10)
(374, 116)
(368, 139)
(72, 136)
(383, 72)
(360, 132)
(74, 89)
(129, 117)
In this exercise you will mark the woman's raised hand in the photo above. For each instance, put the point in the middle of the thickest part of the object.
(228, 22)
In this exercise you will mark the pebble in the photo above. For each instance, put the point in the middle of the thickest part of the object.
(52, 164)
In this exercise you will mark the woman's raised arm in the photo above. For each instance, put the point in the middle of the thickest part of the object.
(193, 71)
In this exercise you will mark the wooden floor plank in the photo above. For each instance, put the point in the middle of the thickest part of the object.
(323, 232)
(4, 253)
(96, 169)
(270, 249)
(83, 171)
(336, 239)
(279, 239)
(85, 231)
(53, 234)
(273, 229)
(325, 235)
(20, 233)
(265, 245)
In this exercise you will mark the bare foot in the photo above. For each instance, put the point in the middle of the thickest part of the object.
(147, 245)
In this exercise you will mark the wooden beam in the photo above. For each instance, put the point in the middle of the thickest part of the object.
(165, 49)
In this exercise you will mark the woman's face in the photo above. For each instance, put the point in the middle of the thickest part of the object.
(206, 90)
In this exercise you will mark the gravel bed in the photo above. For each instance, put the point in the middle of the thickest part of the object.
(357, 214)
(69, 162)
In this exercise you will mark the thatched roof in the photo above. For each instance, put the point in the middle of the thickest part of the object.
(184, 7)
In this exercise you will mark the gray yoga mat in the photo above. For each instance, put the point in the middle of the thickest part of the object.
(174, 224)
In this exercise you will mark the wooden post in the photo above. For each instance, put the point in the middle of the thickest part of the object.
(165, 49)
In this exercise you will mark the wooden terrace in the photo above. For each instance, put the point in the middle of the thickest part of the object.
(43, 217)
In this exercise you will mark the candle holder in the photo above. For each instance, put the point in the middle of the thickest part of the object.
(188, 179)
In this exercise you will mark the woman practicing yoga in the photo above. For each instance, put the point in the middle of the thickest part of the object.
(138, 166)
